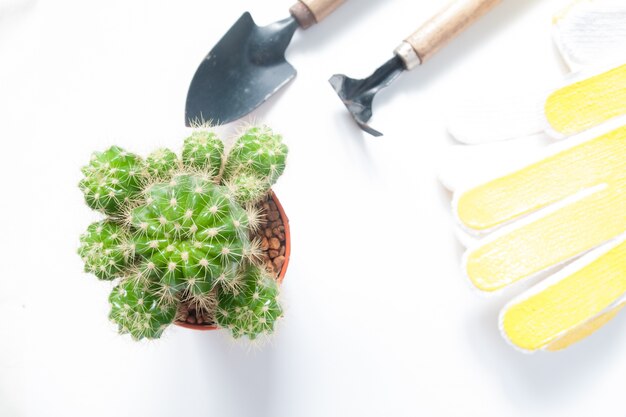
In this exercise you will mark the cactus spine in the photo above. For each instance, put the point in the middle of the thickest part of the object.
(178, 231)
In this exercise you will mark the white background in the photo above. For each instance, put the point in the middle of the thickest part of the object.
(379, 320)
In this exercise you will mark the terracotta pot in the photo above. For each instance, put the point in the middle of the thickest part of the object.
(281, 275)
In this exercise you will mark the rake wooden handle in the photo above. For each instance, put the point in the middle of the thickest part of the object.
(445, 26)
(310, 12)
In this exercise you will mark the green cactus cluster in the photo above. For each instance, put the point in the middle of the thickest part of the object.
(181, 229)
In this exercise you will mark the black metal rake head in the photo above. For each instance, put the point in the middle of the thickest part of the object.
(358, 95)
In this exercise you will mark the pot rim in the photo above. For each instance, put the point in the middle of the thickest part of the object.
(281, 275)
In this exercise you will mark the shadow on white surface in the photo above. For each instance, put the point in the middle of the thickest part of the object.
(356, 144)
(240, 368)
(13, 8)
(543, 379)
(445, 203)
(559, 59)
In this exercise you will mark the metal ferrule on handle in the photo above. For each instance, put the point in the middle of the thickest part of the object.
(310, 12)
(441, 29)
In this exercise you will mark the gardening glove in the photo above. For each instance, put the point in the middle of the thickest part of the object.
(566, 202)
(588, 34)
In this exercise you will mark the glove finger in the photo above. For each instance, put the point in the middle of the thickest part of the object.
(582, 191)
(586, 329)
(587, 103)
(569, 305)
(585, 100)
(590, 32)
(567, 169)
(494, 117)
(513, 254)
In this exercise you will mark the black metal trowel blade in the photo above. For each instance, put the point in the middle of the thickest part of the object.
(245, 68)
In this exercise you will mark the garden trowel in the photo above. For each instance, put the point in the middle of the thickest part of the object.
(248, 65)
(357, 95)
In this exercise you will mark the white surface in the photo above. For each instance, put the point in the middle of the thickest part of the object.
(379, 320)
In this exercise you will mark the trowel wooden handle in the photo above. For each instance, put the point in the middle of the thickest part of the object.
(446, 25)
(310, 12)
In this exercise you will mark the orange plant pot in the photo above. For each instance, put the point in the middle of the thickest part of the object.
(281, 275)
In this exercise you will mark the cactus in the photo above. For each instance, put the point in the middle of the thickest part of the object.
(161, 164)
(191, 234)
(104, 249)
(252, 308)
(203, 151)
(113, 179)
(136, 310)
(178, 232)
(255, 163)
